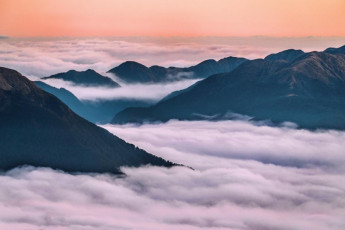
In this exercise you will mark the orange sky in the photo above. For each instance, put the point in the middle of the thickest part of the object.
(32, 18)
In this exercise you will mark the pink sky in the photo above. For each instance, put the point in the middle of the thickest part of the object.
(31, 18)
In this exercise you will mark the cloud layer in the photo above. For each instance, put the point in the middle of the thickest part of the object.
(145, 92)
(240, 182)
(43, 57)
(237, 140)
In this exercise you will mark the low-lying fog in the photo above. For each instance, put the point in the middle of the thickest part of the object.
(144, 92)
(246, 176)
(42, 57)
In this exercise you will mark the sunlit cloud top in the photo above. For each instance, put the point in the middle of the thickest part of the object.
(32, 18)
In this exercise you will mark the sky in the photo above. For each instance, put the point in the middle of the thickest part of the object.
(48, 18)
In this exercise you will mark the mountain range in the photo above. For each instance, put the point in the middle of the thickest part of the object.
(103, 111)
(134, 72)
(305, 88)
(85, 78)
(340, 50)
(100, 111)
(37, 129)
(286, 55)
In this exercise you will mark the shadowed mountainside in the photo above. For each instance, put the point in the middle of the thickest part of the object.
(101, 111)
(309, 91)
(37, 129)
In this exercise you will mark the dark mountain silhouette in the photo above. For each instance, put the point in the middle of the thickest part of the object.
(286, 55)
(86, 78)
(309, 91)
(101, 111)
(37, 129)
(64, 95)
(340, 50)
(133, 72)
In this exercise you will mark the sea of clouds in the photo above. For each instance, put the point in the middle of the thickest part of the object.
(152, 92)
(42, 57)
(246, 176)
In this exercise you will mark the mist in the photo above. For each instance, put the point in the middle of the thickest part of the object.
(145, 92)
(42, 57)
(239, 181)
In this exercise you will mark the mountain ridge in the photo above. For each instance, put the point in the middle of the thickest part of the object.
(87, 78)
(309, 91)
(98, 112)
(37, 129)
(134, 72)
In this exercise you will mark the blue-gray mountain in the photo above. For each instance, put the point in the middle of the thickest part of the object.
(308, 90)
(133, 72)
(85, 78)
(37, 129)
(286, 55)
(100, 112)
(340, 50)
(103, 111)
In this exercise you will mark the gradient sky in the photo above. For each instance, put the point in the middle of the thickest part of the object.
(30, 18)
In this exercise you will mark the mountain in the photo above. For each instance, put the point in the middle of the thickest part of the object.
(340, 50)
(37, 129)
(133, 72)
(286, 55)
(64, 95)
(100, 111)
(309, 91)
(86, 78)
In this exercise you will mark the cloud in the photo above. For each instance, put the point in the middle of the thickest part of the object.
(46, 56)
(145, 92)
(223, 192)
(237, 140)
(41, 57)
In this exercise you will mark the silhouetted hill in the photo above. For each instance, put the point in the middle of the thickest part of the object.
(100, 111)
(37, 129)
(309, 91)
(340, 50)
(64, 95)
(86, 78)
(286, 55)
(133, 72)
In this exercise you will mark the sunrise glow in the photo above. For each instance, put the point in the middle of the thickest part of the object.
(32, 18)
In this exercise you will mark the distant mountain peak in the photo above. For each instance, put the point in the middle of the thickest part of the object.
(340, 50)
(134, 72)
(307, 90)
(88, 78)
(288, 55)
